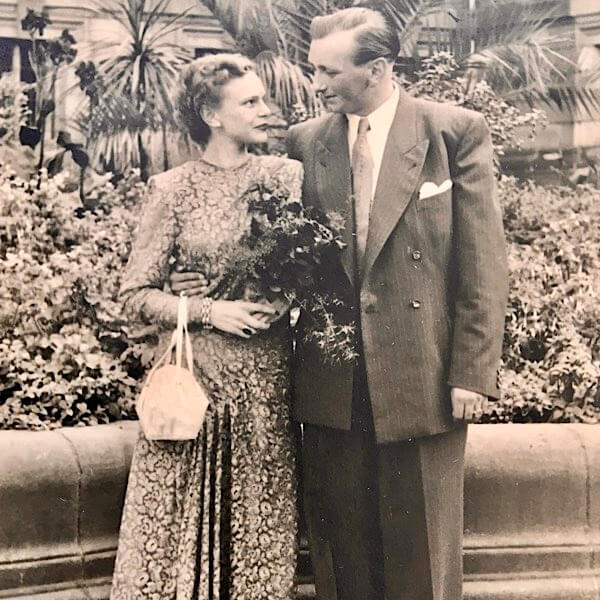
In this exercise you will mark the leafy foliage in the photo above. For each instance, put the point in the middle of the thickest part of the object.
(14, 113)
(61, 345)
(258, 31)
(287, 86)
(551, 359)
(47, 56)
(130, 83)
(67, 358)
(443, 80)
(284, 256)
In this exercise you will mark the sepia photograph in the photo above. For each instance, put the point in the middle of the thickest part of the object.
(300, 300)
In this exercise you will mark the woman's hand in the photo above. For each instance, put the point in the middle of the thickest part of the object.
(241, 318)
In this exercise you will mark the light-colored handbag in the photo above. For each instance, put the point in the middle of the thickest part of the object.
(172, 404)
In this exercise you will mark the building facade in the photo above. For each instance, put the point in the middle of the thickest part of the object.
(572, 137)
(199, 31)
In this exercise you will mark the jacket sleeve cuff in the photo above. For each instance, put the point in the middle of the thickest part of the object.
(489, 389)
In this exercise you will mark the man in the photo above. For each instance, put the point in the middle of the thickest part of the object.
(424, 280)
(424, 274)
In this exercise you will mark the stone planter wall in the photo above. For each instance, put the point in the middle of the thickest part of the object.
(61, 494)
(532, 511)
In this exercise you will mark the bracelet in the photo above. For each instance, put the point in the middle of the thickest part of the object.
(205, 313)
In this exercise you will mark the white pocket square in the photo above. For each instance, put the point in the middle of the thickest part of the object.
(429, 189)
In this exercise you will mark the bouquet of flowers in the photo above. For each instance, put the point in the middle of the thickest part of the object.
(284, 256)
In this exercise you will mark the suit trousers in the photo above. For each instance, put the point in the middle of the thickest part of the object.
(385, 521)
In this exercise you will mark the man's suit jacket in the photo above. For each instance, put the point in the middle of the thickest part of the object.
(433, 291)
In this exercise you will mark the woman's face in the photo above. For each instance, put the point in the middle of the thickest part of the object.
(242, 114)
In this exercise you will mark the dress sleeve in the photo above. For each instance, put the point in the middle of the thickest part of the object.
(147, 269)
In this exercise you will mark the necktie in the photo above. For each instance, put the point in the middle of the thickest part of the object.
(362, 187)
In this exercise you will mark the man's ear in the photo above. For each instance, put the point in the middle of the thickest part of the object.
(209, 117)
(377, 69)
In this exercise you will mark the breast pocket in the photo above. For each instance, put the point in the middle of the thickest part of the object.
(434, 222)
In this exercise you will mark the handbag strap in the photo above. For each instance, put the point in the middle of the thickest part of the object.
(179, 338)
(183, 336)
(167, 353)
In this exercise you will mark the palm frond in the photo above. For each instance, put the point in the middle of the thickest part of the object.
(120, 150)
(138, 63)
(250, 23)
(166, 29)
(515, 65)
(152, 18)
(576, 103)
(514, 46)
(497, 22)
(292, 22)
(287, 85)
(406, 16)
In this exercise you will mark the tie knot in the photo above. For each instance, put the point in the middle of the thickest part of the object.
(363, 125)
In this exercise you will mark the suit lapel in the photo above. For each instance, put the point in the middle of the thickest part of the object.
(401, 166)
(334, 182)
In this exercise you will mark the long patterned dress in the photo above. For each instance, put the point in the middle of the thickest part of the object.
(213, 518)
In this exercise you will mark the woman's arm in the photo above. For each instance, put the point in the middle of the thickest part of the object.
(147, 271)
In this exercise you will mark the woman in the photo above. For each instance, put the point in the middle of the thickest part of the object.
(214, 517)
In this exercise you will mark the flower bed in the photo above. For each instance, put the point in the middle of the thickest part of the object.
(67, 358)
(551, 359)
(64, 356)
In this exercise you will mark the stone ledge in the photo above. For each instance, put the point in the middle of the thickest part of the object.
(532, 512)
(61, 494)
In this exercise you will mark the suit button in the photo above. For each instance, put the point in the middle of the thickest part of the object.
(415, 304)
(416, 255)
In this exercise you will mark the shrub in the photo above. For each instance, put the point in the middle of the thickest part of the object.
(441, 79)
(14, 112)
(551, 359)
(60, 341)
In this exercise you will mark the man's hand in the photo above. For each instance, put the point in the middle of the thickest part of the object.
(467, 405)
(191, 283)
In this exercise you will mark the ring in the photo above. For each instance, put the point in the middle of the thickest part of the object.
(247, 331)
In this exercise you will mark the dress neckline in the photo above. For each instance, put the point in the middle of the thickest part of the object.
(220, 168)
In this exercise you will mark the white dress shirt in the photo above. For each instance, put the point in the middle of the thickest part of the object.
(380, 122)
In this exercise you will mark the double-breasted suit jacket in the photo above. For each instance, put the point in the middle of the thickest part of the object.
(433, 288)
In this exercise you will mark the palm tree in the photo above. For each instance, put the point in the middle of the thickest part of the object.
(256, 28)
(138, 65)
(510, 44)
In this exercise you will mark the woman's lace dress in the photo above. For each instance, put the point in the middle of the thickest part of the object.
(213, 518)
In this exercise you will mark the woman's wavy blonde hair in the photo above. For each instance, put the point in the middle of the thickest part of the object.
(200, 87)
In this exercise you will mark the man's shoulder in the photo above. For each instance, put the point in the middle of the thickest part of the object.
(311, 127)
(445, 112)
(446, 116)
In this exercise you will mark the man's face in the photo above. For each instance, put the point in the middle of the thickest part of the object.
(343, 86)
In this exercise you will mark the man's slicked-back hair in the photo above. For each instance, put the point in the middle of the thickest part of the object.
(374, 35)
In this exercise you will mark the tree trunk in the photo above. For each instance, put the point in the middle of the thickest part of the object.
(165, 152)
(41, 159)
(143, 158)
